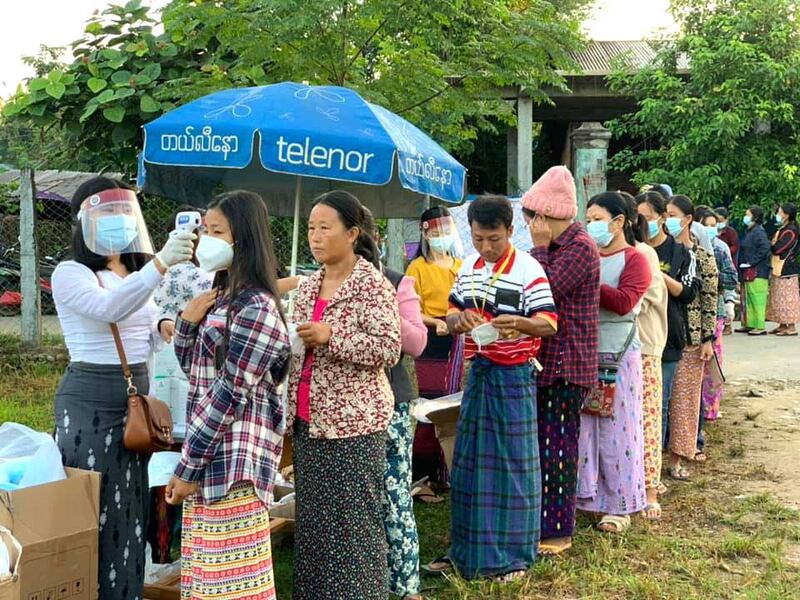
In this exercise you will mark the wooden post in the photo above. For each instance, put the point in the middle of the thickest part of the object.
(29, 263)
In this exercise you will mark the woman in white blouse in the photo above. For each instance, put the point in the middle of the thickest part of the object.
(110, 279)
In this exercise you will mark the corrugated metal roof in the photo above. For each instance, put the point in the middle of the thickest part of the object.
(599, 58)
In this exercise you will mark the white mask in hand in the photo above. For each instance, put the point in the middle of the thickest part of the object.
(214, 254)
(485, 334)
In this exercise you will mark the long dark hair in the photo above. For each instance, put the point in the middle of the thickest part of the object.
(617, 206)
(790, 210)
(654, 200)
(352, 214)
(758, 214)
(638, 222)
(254, 266)
(684, 204)
(434, 212)
(80, 252)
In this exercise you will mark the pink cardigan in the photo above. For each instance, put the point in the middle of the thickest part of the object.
(413, 333)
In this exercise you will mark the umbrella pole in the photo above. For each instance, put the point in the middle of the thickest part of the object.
(296, 225)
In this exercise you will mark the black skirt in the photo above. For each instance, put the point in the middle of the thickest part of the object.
(340, 544)
(91, 405)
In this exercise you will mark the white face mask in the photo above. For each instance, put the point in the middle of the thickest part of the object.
(214, 254)
(485, 334)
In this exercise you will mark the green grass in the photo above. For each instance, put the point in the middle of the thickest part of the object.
(709, 545)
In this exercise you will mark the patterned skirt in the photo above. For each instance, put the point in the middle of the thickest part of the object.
(784, 300)
(90, 406)
(225, 550)
(652, 411)
(559, 416)
(713, 390)
(684, 405)
(340, 544)
(611, 468)
(496, 483)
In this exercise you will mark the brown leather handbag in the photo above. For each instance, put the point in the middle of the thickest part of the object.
(148, 427)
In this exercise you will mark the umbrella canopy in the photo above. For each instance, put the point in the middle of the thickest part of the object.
(329, 136)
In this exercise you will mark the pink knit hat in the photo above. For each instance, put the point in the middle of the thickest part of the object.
(553, 195)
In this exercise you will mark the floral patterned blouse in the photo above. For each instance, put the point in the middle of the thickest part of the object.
(182, 283)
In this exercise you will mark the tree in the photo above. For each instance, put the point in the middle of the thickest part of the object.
(729, 129)
(437, 62)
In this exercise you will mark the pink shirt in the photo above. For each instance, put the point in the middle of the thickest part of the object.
(413, 333)
(304, 387)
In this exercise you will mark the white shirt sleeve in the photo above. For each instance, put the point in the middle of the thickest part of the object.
(75, 286)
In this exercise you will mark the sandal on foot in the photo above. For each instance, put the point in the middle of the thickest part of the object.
(549, 548)
(700, 456)
(678, 473)
(443, 564)
(426, 495)
(652, 512)
(757, 332)
(615, 524)
(786, 333)
(509, 577)
(661, 489)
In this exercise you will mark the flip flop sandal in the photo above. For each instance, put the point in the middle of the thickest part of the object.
(619, 524)
(509, 577)
(680, 474)
(439, 566)
(426, 495)
(651, 507)
(700, 457)
(787, 334)
(546, 549)
(756, 333)
(661, 489)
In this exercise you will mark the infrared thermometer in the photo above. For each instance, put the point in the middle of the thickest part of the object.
(189, 220)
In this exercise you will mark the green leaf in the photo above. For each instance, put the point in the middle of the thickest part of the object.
(105, 96)
(93, 69)
(148, 105)
(169, 50)
(55, 76)
(115, 114)
(123, 93)
(56, 90)
(88, 112)
(94, 28)
(37, 84)
(151, 71)
(96, 84)
(121, 77)
(123, 133)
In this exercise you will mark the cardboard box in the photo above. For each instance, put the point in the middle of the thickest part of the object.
(56, 524)
(445, 421)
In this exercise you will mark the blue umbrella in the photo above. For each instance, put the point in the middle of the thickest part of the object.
(310, 139)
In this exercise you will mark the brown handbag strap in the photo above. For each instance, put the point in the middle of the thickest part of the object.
(123, 359)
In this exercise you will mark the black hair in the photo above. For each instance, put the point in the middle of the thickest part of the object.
(616, 205)
(491, 212)
(654, 200)
(684, 204)
(173, 217)
(528, 212)
(758, 214)
(352, 214)
(254, 267)
(702, 212)
(790, 210)
(80, 252)
(638, 222)
(722, 212)
(434, 212)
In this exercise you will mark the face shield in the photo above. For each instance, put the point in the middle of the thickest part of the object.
(441, 235)
(112, 223)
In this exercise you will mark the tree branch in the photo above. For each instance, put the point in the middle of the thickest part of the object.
(314, 60)
(372, 35)
(450, 84)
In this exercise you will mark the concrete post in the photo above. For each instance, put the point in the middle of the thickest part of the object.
(589, 163)
(29, 263)
(395, 245)
(519, 154)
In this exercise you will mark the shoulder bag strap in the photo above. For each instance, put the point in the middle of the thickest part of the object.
(126, 370)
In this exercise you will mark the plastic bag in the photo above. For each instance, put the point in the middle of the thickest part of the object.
(27, 458)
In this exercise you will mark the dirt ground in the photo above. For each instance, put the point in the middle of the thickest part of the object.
(762, 402)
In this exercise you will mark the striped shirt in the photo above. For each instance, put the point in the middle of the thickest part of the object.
(520, 289)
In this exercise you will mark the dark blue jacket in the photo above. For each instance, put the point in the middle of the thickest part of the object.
(757, 251)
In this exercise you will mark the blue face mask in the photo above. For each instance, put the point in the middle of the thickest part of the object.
(599, 232)
(747, 220)
(712, 232)
(653, 228)
(674, 226)
(116, 232)
(778, 220)
(443, 243)
(720, 226)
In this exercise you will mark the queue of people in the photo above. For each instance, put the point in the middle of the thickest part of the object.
(581, 362)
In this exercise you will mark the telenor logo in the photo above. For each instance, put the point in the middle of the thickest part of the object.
(322, 157)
